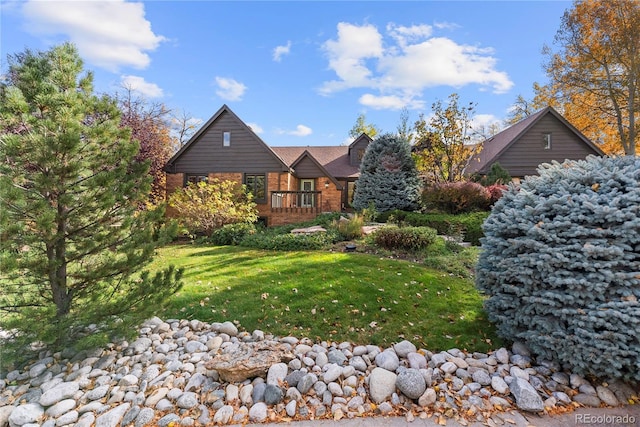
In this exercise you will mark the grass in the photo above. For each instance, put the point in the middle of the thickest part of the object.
(361, 298)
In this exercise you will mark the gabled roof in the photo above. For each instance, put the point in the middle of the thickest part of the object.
(208, 124)
(358, 139)
(334, 159)
(493, 147)
(308, 155)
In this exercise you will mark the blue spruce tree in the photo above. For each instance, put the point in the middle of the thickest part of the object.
(560, 264)
(388, 176)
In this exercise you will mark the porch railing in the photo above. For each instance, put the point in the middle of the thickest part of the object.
(296, 201)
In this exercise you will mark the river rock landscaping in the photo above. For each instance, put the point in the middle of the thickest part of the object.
(189, 373)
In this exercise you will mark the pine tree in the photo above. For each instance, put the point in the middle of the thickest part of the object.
(388, 176)
(72, 240)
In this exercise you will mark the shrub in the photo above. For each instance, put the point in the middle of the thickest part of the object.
(349, 229)
(204, 207)
(497, 175)
(289, 242)
(456, 197)
(406, 238)
(469, 225)
(495, 192)
(231, 234)
(560, 265)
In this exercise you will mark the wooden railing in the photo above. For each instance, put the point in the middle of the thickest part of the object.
(296, 201)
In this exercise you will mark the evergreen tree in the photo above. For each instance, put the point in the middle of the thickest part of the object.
(72, 240)
(560, 261)
(388, 176)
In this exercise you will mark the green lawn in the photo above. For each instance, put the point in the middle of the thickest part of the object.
(334, 296)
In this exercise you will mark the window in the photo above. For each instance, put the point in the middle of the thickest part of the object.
(256, 185)
(546, 141)
(194, 179)
(226, 139)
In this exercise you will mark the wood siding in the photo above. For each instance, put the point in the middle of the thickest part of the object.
(524, 155)
(307, 168)
(246, 153)
(356, 149)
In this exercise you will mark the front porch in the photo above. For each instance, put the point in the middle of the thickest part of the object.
(288, 207)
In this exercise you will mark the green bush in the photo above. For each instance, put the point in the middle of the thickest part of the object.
(232, 234)
(468, 225)
(406, 238)
(289, 242)
(560, 265)
(456, 197)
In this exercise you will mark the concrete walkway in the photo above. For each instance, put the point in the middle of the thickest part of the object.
(627, 416)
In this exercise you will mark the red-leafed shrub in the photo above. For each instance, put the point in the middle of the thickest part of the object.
(456, 197)
(495, 192)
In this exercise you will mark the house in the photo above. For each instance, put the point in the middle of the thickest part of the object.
(540, 138)
(289, 184)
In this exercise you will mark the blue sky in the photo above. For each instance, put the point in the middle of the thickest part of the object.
(300, 72)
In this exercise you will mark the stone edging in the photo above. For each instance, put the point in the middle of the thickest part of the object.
(175, 372)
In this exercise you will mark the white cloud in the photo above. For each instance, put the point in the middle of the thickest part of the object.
(407, 61)
(255, 128)
(109, 34)
(390, 102)
(403, 34)
(230, 89)
(138, 84)
(348, 53)
(300, 130)
(280, 51)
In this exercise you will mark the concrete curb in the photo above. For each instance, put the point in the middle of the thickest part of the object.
(623, 416)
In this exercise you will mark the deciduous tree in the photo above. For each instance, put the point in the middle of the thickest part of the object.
(361, 126)
(73, 243)
(151, 127)
(443, 146)
(595, 74)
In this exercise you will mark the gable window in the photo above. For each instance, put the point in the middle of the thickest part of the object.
(194, 179)
(257, 185)
(226, 139)
(546, 141)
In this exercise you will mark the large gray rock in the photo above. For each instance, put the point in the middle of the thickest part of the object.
(382, 384)
(587, 399)
(273, 394)
(499, 385)
(26, 414)
(403, 348)
(249, 360)
(258, 412)
(145, 417)
(411, 383)
(607, 396)
(113, 417)
(223, 415)
(187, 400)
(388, 360)
(60, 392)
(306, 382)
(526, 396)
(228, 328)
(276, 373)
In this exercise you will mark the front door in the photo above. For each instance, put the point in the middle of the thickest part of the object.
(307, 200)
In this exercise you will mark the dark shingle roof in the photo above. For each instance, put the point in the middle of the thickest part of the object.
(335, 159)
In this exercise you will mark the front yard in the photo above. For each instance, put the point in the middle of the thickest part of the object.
(325, 295)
